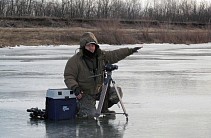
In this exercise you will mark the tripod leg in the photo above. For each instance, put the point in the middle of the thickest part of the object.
(101, 101)
(105, 103)
(120, 100)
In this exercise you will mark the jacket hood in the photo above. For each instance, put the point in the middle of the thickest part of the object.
(88, 38)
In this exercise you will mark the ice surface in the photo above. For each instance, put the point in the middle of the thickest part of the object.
(166, 92)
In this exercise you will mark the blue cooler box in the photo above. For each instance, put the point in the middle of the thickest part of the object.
(60, 104)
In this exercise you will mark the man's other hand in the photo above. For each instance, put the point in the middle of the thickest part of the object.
(79, 96)
(78, 93)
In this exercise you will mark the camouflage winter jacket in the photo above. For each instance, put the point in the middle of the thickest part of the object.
(77, 73)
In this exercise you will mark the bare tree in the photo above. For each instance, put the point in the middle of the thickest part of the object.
(165, 10)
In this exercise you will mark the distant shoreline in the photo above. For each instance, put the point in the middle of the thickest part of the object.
(51, 31)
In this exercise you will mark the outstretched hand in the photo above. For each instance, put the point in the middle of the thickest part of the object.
(135, 49)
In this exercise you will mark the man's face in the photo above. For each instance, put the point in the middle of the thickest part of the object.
(90, 47)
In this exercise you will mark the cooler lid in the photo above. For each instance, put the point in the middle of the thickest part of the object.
(60, 93)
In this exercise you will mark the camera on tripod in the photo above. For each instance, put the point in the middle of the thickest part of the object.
(109, 67)
(107, 80)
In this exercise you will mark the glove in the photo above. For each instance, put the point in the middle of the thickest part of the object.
(135, 49)
(77, 91)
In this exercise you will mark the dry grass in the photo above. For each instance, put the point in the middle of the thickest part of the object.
(111, 32)
(40, 36)
(107, 31)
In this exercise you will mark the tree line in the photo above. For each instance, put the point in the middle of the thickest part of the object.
(166, 10)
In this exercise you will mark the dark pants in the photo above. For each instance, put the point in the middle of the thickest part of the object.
(86, 105)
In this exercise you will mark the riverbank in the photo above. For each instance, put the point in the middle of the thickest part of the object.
(47, 31)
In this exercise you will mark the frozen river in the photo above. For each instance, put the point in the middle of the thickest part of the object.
(166, 93)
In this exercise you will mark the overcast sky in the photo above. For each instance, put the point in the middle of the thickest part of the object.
(144, 2)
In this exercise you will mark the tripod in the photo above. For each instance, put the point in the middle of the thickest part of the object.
(108, 79)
